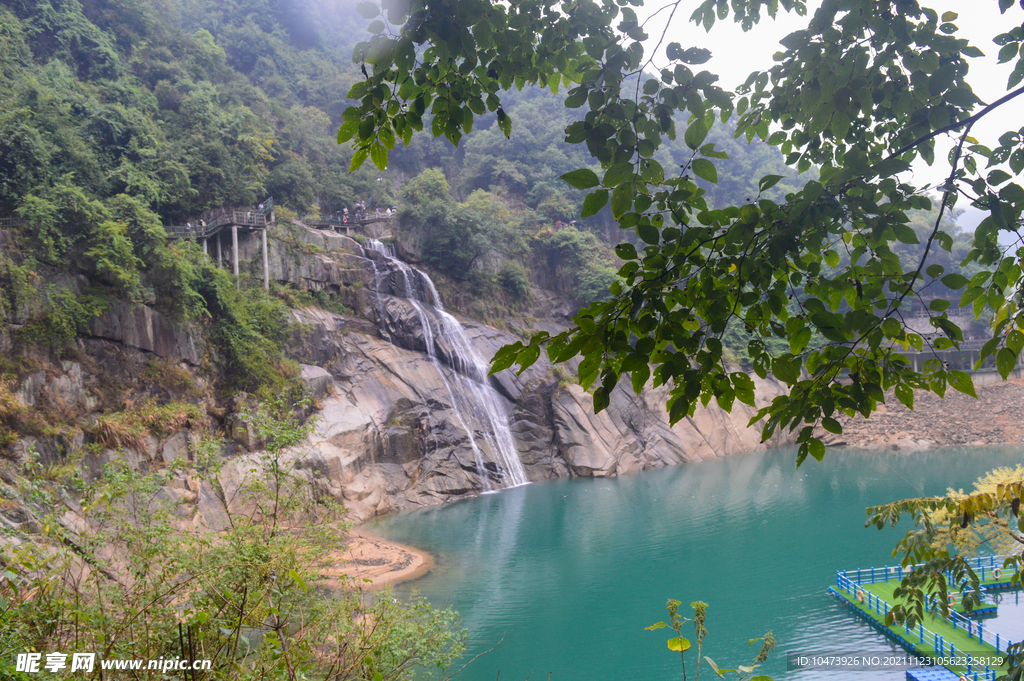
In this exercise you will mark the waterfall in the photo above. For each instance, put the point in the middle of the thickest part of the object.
(470, 371)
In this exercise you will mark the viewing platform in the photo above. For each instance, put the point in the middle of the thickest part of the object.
(219, 219)
(212, 223)
(974, 651)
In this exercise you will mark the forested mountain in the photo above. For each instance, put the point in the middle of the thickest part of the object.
(187, 105)
(180, 104)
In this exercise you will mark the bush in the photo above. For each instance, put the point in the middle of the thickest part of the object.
(515, 280)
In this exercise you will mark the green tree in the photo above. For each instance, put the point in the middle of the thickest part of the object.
(950, 530)
(449, 237)
(859, 93)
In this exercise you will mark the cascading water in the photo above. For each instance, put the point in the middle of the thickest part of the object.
(469, 369)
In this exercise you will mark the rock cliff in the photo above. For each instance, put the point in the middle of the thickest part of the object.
(401, 413)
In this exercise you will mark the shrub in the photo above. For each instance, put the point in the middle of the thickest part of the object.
(515, 280)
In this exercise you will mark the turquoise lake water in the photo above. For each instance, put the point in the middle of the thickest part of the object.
(567, 573)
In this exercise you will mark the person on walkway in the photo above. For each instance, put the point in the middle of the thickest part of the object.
(202, 225)
(260, 208)
(248, 217)
(388, 213)
(188, 230)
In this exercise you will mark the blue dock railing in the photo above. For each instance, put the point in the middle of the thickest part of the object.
(852, 588)
(985, 567)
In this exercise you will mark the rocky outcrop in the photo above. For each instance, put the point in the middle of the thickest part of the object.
(143, 328)
(392, 437)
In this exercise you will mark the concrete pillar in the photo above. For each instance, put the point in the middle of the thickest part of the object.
(266, 261)
(220, 252)
(234, 248)
(204, 246)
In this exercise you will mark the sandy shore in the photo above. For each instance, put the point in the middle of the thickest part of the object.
(380, 561)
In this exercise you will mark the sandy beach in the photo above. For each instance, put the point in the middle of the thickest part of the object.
(380, 561)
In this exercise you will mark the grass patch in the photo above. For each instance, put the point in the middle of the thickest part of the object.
(130, 428)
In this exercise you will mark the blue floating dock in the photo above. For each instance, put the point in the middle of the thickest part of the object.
(931, 674)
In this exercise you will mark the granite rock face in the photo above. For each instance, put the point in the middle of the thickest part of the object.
(392, 436)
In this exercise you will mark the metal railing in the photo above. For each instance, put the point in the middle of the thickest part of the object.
(6, 223)
(981, 565)
(343, 220)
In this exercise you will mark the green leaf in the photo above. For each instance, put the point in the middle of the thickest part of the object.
(358, 158)
(954, 281)
(768, 181)
(649, 234)
(961, 381)
(816, 449)
(695, 134)
(618, 174)
(594, 202)
(379, 156)
(367, 10)
(505, 357)
(891, 327)
(639, 377)
(905, 234)
(997, 177)
(1015, 341)
(831, 425)
(678, 644)
(298, 580)
(656, 625)
(934, 271)
(799, 340)
(705, 170)
(905, 394)
(582, 178)
(622, 200)
(1006, 360)
(626, 251)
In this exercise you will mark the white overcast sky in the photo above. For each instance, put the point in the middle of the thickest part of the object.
(736, 54)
